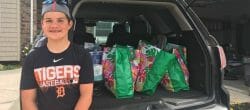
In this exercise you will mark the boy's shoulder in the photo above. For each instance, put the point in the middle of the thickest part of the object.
(36, 51)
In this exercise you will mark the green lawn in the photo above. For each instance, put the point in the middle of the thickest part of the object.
(9, 66)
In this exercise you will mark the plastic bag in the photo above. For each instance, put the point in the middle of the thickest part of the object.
(97, 60)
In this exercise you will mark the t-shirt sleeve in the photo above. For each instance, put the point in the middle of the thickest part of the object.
(86, 72)
(27, 75)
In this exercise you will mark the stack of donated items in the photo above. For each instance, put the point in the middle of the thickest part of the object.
(126, 70)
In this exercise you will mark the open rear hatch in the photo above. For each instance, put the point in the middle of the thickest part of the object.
(164, 18)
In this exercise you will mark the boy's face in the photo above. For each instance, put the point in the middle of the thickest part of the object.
(56, 25)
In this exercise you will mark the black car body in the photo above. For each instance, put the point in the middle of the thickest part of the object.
(170, 21)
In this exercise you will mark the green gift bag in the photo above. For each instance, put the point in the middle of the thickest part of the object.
(123, 74)
(160, 66)
(117, 71)
(176, 77)
(147, 54)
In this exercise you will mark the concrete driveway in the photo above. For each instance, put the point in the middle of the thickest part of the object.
(238, 91)
(9, 90)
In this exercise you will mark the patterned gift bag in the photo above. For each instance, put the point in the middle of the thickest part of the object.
(147, 55)
(173, 79)
(163, 62)
(181, 54)
(118, 70)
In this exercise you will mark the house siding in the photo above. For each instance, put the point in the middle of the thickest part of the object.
(15, 28)
(10, 30)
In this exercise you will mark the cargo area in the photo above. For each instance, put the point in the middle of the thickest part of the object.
(104, 99)
(163, 23)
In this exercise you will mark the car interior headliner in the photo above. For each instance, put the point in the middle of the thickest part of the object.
(121, 11)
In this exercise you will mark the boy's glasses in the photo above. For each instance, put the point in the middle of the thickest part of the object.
(61, 2)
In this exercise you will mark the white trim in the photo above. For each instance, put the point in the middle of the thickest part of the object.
(31, 20)
(19, 30)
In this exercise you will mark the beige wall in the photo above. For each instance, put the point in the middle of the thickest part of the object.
(15, 28)
(9, 30)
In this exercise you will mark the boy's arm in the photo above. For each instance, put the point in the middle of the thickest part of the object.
(28, 99)
(85, 100)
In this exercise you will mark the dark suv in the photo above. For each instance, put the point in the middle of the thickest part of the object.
(165, 21)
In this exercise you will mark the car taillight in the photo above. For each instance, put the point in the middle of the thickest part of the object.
(223, 61)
